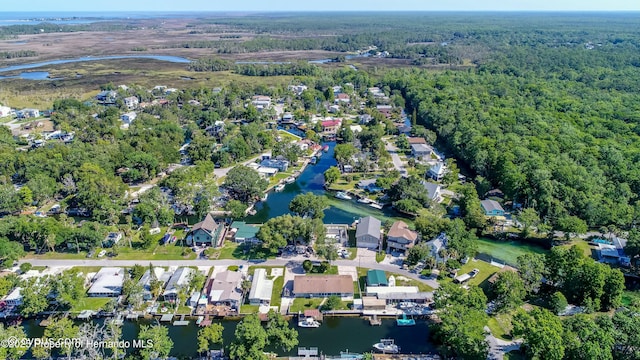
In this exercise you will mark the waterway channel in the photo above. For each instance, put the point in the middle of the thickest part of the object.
(336, 334)
(312, 180)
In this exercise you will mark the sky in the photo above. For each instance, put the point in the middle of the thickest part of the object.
(320, 5)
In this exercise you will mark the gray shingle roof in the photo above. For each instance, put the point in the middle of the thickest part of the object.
(369, 226)
(490, 205)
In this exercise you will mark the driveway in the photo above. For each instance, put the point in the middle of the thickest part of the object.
(499, 347)
(397, 162)
(222, 172)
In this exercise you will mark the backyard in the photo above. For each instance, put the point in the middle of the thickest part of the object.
(506, 251)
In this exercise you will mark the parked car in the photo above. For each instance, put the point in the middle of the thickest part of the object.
(102, 253)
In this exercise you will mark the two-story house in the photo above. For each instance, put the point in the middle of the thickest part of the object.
(400, 237)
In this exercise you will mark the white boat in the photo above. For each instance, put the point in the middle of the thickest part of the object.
(279, 187)
(364, 201)
(264, 198)
(343, 195)
(376, 206)
(308, 322)
(387, 346)
(290, 180)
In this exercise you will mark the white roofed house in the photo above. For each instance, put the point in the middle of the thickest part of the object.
(437, 171)
(107, 282)
(14, 298)
(436, 244)
(5, 111)
(178, 281)
(261, 102)
(421, 150)
(127, 118)
(131, 102)
(261, 288)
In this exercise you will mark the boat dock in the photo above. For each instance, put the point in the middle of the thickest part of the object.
(374, 321)
(181, 322)
(86, 314)
(166, 318)
(118, 320)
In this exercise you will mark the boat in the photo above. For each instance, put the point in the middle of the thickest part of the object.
(264, 198)
(376, 205)
(325, 148)
(343, 195)
(313, 160)
(200, 320)
(279, 187)
(404, 321)
(350, 355)
(364, 201)
(387, 346)
(290, 180)
(308, 322)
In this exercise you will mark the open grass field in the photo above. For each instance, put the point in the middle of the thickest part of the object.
(300, 304)
(90, 303)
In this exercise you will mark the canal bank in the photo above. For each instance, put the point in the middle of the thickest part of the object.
(336, 334)
(311, 180)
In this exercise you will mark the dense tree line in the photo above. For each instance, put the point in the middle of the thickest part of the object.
(17, 54)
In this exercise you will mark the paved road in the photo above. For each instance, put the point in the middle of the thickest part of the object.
(397, 162)
(499, 347)
(270, 262)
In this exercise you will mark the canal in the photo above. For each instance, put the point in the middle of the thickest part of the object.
(335, 335)
(312, 180)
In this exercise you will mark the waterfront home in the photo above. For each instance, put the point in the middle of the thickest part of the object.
(376, 278)
(226, 289)
(266, 172)
(261, 288)
(131, 102)
(369, 185)
(421, 150)
(244, 233)
(194, 299)
(281, 165)
(373, 303)
(107, 282)
(436, 244)
(308, 286)
(392, 294)
(437, 171)
(330, 127)
(179, 280)
(400, 237)
(368, 233)
(14, 298)
(261, 102)
(433, 191)
(492, 208)
(159, 274)
(127, 118)
(614, 253)
(206, 232)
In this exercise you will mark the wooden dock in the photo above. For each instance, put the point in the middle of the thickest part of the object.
(181, 322)
(374, 321)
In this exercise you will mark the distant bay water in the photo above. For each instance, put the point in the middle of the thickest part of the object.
(79, 17)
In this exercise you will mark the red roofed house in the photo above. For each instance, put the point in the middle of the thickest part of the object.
(330, 127)
(416, 140)
(342, 98)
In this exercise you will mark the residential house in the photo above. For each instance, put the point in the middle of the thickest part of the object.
(107, 97)
(614, 253)
(433, 190)
(376, 92)
(261, 102)
(128, 118)
(368, 234)
(226, 289)
(107, 282)
(244, 233)
(342, 98)
(113, 238)
(206, 232)
(369, 185)
(306, 286)
(170, 91)
(159, 274)
(287, 118)
(216, 129)
(421, 150)
(437, 171)
(131, 102)
(28, 113)
(436, 244)
(194, 299)
(337, 89)
(261, 288)
(400, 237)
(266, 172)
(491, 208)
(330, 127)
(376, 278)
(5, 111)
(334, 109)
(281, 165)
(179, 280)
(396, 294)
(355, 129)
(297, 89)
(364, 119)
(416, 140)
(385, 110)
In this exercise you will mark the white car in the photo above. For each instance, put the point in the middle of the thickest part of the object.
(102, 253)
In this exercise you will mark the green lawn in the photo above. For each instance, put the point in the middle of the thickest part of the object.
(500, 326)
(582, 245)
(506, 251)
(362, 281)
(88, 269)
(90, 303)
(249, 309)
(160, 252)
(57, 255)
(630, 297)
(183, 309)
(301, 305)
(486, 271)
(380, 255)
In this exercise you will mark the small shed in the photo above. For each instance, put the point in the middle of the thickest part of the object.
(376, 278)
